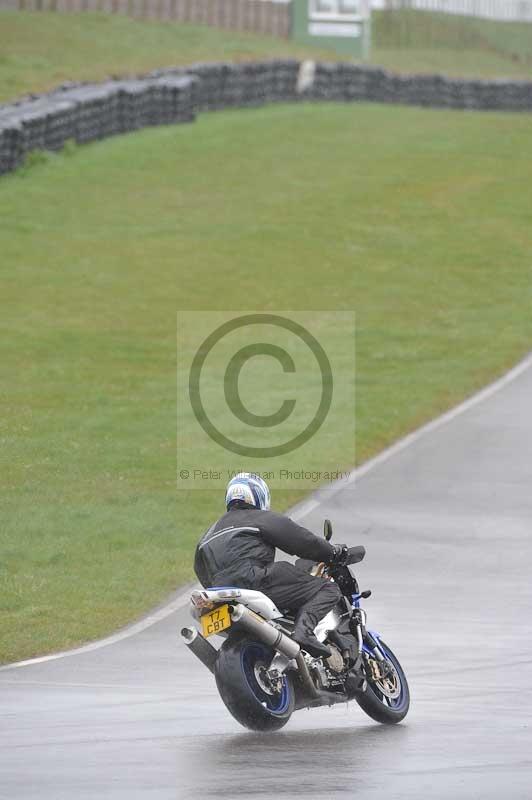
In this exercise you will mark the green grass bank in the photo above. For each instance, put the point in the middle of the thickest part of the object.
(417, 220)
(409, 29)
(41, 50)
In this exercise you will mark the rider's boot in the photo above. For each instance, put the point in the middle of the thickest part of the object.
(304, 635)
(308, 617)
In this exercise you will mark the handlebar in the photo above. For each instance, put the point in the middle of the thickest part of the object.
(355, 554)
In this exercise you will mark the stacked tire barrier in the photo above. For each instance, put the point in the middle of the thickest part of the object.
(349, 82)
(223, 85)
(84, 113)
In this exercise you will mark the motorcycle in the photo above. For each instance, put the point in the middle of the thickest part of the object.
(263, 675)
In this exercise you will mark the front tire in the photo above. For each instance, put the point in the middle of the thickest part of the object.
(237, 672)
(387, 701)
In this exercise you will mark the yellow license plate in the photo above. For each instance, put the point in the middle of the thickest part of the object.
(216, 621)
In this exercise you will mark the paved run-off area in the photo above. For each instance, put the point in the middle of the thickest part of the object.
(446, 522)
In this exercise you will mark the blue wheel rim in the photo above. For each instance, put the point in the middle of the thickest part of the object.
(277, 703)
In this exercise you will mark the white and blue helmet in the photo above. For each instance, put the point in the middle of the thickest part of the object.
(248, 488)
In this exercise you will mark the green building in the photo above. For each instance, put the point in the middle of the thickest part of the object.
(343, 25)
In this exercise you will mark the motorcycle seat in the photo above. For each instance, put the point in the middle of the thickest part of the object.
(219, 588)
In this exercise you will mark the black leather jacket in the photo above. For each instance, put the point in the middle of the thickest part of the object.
(238, 549)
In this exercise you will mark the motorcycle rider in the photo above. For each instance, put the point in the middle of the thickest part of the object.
(239, 550)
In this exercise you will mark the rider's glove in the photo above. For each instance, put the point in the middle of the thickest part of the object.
(340, 555)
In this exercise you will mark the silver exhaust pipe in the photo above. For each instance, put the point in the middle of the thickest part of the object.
(264, 631)
(201, 648)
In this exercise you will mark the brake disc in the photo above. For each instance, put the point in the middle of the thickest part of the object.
(387, 682)
(263, 679)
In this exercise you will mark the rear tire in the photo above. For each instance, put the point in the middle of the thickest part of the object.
(237, 673)
(377, 705)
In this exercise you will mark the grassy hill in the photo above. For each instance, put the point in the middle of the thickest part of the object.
(40, 50)
(409, 29)
(417, 220)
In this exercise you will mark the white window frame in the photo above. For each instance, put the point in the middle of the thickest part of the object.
(331, 16)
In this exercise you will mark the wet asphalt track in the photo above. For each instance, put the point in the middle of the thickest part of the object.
(447, 524)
